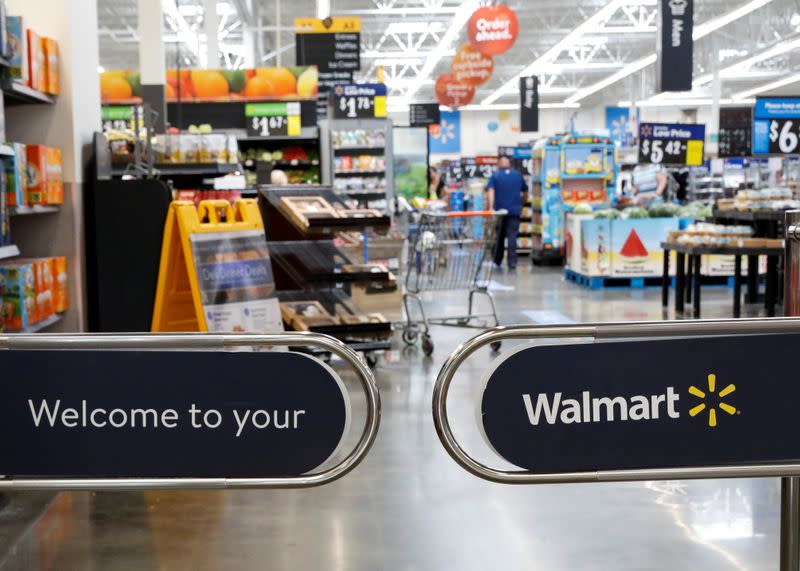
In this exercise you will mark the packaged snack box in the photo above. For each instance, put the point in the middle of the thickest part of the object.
(42, 288)
(19, 297)
(54, 180)
(16, 183)
(5, 229)
(36, 63)
(36, 172)
(18, 48)
(52, 80)
(58, 272)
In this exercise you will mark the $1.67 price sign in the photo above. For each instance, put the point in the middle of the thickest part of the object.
(671, 144)
(275, 119)
(367, 101)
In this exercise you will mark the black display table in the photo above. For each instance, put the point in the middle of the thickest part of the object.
(692, 254)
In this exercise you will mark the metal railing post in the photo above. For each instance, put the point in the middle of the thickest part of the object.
(790, 487)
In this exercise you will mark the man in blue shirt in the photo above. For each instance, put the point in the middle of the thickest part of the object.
(506, 187)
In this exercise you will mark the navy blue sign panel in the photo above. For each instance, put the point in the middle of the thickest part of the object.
(359, 101)
(672, 143)
(645, 404)
(675, 45)
(776, 126)
(148, 414)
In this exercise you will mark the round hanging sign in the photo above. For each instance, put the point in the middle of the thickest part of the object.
(493, 29)
(471, 67)
(451, 92)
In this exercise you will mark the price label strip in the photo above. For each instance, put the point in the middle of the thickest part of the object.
(274, 119)
(671, 144)
(117, 118)
(367, 101)
(776, 126)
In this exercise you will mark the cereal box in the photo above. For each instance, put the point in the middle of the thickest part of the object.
(42, 287)
(52, 80)
(18, 48)
(19, 297)
(36, 61)
(59, 274)
(54, 180)
(36, 171)
(16, 180)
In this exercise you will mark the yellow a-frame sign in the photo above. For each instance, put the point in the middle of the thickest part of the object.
(215, 271)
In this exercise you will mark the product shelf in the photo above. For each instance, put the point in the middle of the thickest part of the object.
(17, 93)
(366, 150)
(8, 252)
(315, 262)
(337, 302)
(360, 173)
(187, 169)
(306, 134)
(25, 210)
(43, 324)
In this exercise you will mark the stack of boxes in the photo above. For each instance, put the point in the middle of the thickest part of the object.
(31, 291)
(33, 58)
(33, 176)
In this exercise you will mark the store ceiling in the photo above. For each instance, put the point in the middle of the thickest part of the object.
(576, 47)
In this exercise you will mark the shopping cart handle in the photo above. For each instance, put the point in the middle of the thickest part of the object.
(473, 213)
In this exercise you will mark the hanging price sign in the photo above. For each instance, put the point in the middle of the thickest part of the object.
(776, 126)
(274, 119)
(671, 144)
(486, 166)
(367, 101)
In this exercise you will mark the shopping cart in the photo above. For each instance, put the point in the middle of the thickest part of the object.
(450, 251)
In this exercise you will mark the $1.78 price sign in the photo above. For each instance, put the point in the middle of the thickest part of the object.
(671, 144)
(275, 119)
(366, 101)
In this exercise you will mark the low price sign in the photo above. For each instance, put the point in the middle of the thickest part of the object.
(365, 101)
(776, 126)
(274, 119)
(671, 143)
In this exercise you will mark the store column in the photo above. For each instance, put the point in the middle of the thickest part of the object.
(211, 23)
(712, 145)
(69, 124)
(152, 62)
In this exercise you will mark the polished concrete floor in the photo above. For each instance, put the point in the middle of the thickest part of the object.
(408, 507)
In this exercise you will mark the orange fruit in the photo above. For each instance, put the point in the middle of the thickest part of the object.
(282, 79)
(169, 92)
(209, 84)
(113, 88)
(258, 86)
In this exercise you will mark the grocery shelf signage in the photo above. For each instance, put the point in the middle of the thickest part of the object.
(776, 125)
(423, 114)
(605, 406)
(157, 414)
(675, 45)
(361, 101)
(671, 143)
(735, 131)
(273, 119)
(332, 44)
(529, 104)
(486, 166)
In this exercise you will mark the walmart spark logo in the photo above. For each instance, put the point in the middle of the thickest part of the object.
(712, 411)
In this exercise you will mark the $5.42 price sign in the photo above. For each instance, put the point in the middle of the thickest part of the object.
(275, 119)
(671, 144)
(367, 101)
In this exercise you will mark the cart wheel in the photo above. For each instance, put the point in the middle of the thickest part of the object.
(427, 345)
(372, 359)
(496, 346)
(409, 336)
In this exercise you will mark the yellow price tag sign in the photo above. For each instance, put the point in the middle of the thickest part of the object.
(694, 153)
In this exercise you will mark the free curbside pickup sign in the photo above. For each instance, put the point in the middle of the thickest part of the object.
(176, 414)
(684, 403)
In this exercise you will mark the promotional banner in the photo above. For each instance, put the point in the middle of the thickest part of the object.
(529, 104)
(215, 85)
(446, 136)
(361, 101)
(157, 414)
(619, 126)
(776, 125)
(423, 114)
(453, 93)
(471, 67)
(672, 143)
(493, 29)
(332, 44)
(605, 406)
(675, 45)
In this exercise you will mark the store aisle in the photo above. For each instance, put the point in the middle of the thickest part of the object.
(409, 507)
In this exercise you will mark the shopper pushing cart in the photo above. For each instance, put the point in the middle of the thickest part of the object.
(451, 251)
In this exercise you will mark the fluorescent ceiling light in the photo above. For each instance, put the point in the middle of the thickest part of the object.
(323, 9)
(700, 31)
(742, 65)
(460, 18)
(768, 87)
(593, 24)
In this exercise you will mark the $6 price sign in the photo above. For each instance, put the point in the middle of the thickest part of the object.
(785, 134)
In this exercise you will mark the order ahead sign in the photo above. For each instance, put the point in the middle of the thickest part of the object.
(634, 405)
(149, 414)
(671, 143)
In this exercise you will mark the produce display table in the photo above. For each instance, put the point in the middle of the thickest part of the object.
(686, 289)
